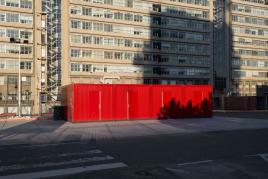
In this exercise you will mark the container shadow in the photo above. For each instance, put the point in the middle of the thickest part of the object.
(176, 110)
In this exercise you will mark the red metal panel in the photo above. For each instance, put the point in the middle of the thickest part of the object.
(88, 102)
(119, 102)
(139, 102)
(106, 105)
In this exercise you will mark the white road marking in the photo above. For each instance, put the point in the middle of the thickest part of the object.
(264, 157)
(95, 151)
(176, 170)
(193, 163)
(51, 164)
(66, 171)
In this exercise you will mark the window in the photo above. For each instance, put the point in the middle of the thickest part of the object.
(2, 64)
(108, 14)
(108, 55)
(98, 40)
(87, 39)
(128, 43)
(108, 27)
(25, 49)
(129, 3)
(2, 16)
(26, 19)
(75, 24)
(119, 42)
(12, 96)
(118, 15)
(87, 11)
(86, 67)
(26, 65)
(2, 2)
(13, 3)
(12, 48)
(108, 2)
(75, 67)
(156, 32)
(75, 10)
(157, 45)
(97, 13)
(2, 80)
(118, 55)
(12, 33)
(98, 26)
(129, 17)
(12, 17)
(157, 7)
(86, 53)
(75, 38)
(12, 79)
(27, 35)
(86, 25)
(2, 48)
(157, 20)
(137, 18)
(108, 41)
(129, 56)
(26, 4)
(75, 53)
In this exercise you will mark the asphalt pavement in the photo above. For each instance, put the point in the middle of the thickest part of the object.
(229, 154)
(213, 148)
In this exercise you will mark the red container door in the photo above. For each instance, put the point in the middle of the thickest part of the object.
(132, 103)
(106, 106)
(119, 101)
(94, 105)
(88, 105)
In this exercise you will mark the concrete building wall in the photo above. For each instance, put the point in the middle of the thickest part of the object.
(20, 20)
(246, 44)
(134, 41)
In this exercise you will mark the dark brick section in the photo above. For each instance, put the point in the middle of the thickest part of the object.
(241, 103)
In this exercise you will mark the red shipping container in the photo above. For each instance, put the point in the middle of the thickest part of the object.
(94, 102)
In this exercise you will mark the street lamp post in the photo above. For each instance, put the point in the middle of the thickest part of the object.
(17, 41)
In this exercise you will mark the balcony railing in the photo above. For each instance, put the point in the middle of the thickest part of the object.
(14, 102)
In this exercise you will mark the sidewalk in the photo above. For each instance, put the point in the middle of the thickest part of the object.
(49, 131)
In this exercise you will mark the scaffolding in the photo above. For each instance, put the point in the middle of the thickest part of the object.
(53, 10)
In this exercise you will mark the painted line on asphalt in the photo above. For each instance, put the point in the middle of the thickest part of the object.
(66, 171)
(89, 152)
(177, 170)
(193, 163)
(53, 164)
(264, 157)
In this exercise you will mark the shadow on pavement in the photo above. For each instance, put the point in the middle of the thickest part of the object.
(23, 127)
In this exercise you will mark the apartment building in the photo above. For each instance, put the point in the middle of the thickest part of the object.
(22, 53)
(54, 43)
(241, 46)
(137, 41)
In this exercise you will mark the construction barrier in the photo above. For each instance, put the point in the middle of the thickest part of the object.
(94, 102)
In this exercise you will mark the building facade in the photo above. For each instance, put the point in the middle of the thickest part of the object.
(241, 46)
(100, 41)
(22, 28)
(137, 41)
